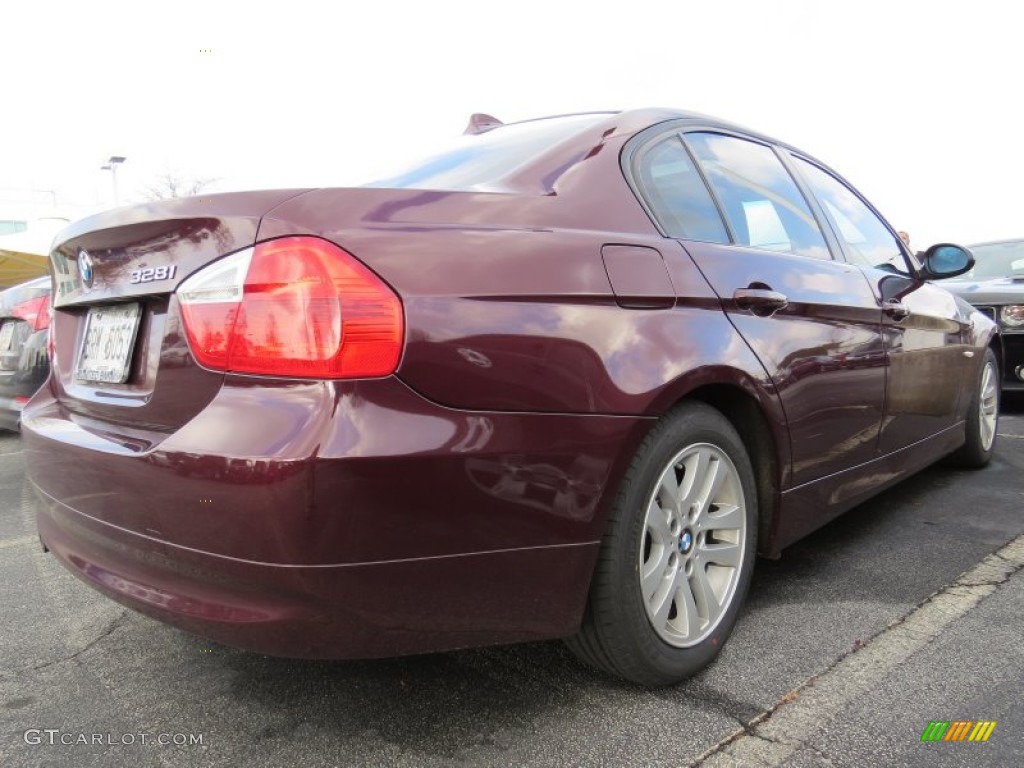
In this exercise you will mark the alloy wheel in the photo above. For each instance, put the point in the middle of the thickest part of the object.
(692, 549)
(988, 405)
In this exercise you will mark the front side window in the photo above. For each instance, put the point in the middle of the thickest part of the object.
(677, 195)
(761, 201)
(868, 241)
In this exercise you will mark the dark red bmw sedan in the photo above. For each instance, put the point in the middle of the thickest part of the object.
(563, 379)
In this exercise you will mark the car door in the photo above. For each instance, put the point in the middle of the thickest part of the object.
(813, 322)
(923, 331)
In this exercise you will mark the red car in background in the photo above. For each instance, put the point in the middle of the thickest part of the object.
(24, 331)
(562, 379)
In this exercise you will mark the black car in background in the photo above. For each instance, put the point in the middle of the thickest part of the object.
(24, 334)
(995, 285)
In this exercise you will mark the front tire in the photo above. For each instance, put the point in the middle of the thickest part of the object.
(676, 561)
(982, 418)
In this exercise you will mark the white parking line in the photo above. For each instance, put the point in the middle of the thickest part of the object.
(774, 736)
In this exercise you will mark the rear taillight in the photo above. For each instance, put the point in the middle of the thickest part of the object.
(297, 306)
(35, 312)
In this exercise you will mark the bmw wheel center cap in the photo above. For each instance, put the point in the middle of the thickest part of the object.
(685, 542)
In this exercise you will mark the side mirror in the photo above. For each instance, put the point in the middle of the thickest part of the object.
(945, 260)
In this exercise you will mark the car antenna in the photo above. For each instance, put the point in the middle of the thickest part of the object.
(481, 123)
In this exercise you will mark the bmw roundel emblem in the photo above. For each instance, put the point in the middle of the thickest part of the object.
(685, 542)
(85, 267)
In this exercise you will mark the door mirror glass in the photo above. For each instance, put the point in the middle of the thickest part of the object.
(946, 260)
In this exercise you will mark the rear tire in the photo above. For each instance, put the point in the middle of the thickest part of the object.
(676, 560)
(982, 418)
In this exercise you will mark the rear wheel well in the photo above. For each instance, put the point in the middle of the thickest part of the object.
(746, 416)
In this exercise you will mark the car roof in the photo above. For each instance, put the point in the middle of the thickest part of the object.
(636, 120)
(15, 294)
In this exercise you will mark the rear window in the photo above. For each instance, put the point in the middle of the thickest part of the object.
(479, 160)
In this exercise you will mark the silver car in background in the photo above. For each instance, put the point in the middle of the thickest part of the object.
(995, 286)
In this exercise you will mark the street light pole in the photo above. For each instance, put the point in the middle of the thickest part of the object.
(112, 163)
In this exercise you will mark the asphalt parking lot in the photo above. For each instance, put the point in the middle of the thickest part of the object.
(843, 656)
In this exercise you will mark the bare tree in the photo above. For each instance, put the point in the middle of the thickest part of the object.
(172, 184)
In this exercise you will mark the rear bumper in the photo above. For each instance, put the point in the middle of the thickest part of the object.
(381, 525)
(343, 611)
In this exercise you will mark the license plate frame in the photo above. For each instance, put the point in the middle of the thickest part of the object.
(108, 341)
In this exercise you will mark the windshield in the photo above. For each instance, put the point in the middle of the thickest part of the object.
(477, 160)
(997, 260)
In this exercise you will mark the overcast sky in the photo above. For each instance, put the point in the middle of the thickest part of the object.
(917, 103)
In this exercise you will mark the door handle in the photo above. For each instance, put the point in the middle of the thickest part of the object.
(896, 310)
(760, 301)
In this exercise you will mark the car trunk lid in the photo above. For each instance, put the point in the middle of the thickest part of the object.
(121, 362)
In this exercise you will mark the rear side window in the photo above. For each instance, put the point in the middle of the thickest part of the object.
(677, 195)
(868, 241)
(761, 201)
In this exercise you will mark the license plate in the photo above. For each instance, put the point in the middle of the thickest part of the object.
(7, 335)
(106, 353)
